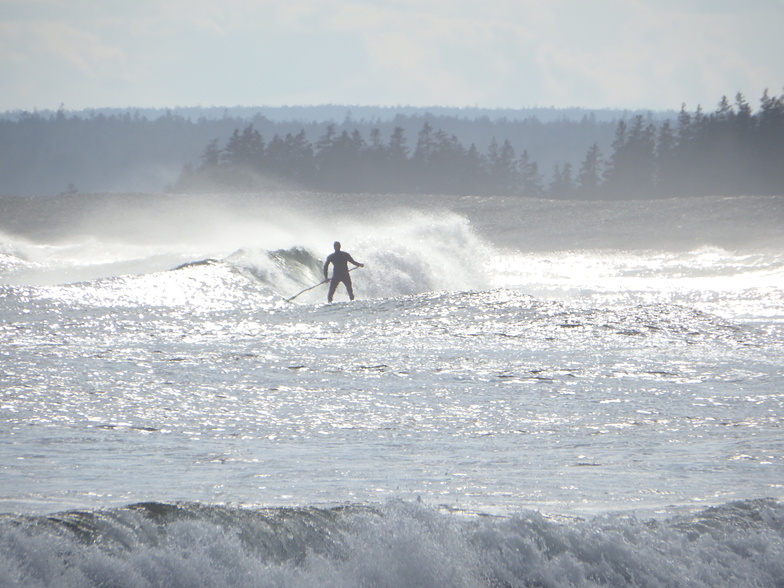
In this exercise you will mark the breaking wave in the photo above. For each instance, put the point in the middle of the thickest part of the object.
(393, 544)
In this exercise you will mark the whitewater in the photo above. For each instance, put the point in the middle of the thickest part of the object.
(525, 392)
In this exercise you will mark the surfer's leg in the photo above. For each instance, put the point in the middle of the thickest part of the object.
(347, 282)
(333, 285)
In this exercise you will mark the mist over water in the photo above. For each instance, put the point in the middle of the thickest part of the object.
(524, 392)
(707, 251)
(141, 235)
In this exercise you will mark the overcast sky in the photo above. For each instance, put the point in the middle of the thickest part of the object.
(652, 54)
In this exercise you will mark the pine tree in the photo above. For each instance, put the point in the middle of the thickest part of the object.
(211, 156)
(770, 143)
(473, 177)
(665, 161)
(631, 172)
(562, 184)
(290, 158)
(422, 158)
(245, 149)
(502, 168)
(589, 177)
(531, 183)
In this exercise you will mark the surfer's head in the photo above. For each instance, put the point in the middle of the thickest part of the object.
(336, 244)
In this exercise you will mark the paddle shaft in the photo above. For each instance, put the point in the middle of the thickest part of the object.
(316, 286)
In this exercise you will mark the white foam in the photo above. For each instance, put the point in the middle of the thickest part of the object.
(396, 544)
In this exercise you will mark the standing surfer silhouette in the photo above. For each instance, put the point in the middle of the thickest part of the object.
(339, 261)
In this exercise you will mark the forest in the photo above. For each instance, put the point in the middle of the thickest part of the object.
(144, 150)
(730, 151)
(535, 152)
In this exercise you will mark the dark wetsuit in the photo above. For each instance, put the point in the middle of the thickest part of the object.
(339, 261)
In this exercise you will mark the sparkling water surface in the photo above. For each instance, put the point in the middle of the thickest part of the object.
(574, 382)
(526, 393)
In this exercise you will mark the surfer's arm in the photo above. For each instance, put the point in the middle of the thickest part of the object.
(356, 263)
(326, 268)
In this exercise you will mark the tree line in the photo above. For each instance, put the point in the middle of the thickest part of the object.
(132, 150)
(536, 152)
(348, 162)
(730, 151)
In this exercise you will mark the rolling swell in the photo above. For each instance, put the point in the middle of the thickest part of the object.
(393, 544)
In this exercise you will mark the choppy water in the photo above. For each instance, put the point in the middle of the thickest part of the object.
(617, 410)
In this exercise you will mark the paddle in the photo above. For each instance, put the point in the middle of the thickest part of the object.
(316, 286)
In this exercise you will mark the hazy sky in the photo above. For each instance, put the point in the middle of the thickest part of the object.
(491, 53)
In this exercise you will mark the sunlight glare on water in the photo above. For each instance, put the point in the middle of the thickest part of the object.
(472, 376)
(713, 280)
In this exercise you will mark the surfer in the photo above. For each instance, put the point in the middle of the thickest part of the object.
(339, 260)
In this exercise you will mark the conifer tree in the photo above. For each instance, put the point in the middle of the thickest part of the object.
(631, 172)
(666, 163)
(211, 155)
(503, 171)
(589, 176)
(245, 149)
(562, 183)
(770, 143)
(398, 170)
(422, 158)
(531, 183)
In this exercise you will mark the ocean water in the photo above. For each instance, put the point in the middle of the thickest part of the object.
(524, 393)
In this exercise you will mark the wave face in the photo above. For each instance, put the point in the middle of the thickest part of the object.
(394, 544)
